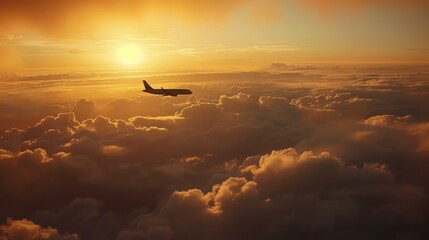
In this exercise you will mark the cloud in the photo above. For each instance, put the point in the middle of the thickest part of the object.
(27, 230)
(333, 100)
(85, 215)
(282, 67)
(287, 171)
(265, 158)
(381, 120)
(84, 109)
(143, 106)
(255, 209)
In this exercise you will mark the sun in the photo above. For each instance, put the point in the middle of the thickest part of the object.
(129, 55)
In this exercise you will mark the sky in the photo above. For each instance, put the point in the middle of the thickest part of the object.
(182, 35)
(308, 120)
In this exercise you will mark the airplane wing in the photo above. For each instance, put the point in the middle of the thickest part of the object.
(166, 93)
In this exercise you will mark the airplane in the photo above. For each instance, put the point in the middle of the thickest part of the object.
(165, 92)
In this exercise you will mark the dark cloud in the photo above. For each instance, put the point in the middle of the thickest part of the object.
(288, 199)
(258, 159)
(84, 109)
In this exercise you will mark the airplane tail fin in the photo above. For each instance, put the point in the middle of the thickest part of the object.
(146, 85)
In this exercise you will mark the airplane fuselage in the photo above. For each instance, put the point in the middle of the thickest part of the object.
(168, 92)
(165, 92)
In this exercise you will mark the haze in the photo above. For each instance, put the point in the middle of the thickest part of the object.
(308, 119)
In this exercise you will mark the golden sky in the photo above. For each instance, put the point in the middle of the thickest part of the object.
(308, 119)
(209, 35)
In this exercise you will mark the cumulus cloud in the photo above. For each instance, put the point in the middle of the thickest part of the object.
(84, 109)
(262, 159)
(334, 100)
(27, 230)
(265, 207)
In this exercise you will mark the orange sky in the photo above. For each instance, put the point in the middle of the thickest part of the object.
(307, 118)
(207, 35)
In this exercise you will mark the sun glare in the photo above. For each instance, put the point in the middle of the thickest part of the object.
(129, 55)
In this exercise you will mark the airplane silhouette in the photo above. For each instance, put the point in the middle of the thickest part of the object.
(165, 92)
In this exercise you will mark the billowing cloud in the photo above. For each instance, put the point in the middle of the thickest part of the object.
(84, 109)
(27, 230)
(333, 100)
(265, 158)
(286, 193)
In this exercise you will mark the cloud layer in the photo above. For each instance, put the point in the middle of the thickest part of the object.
(286, 153)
